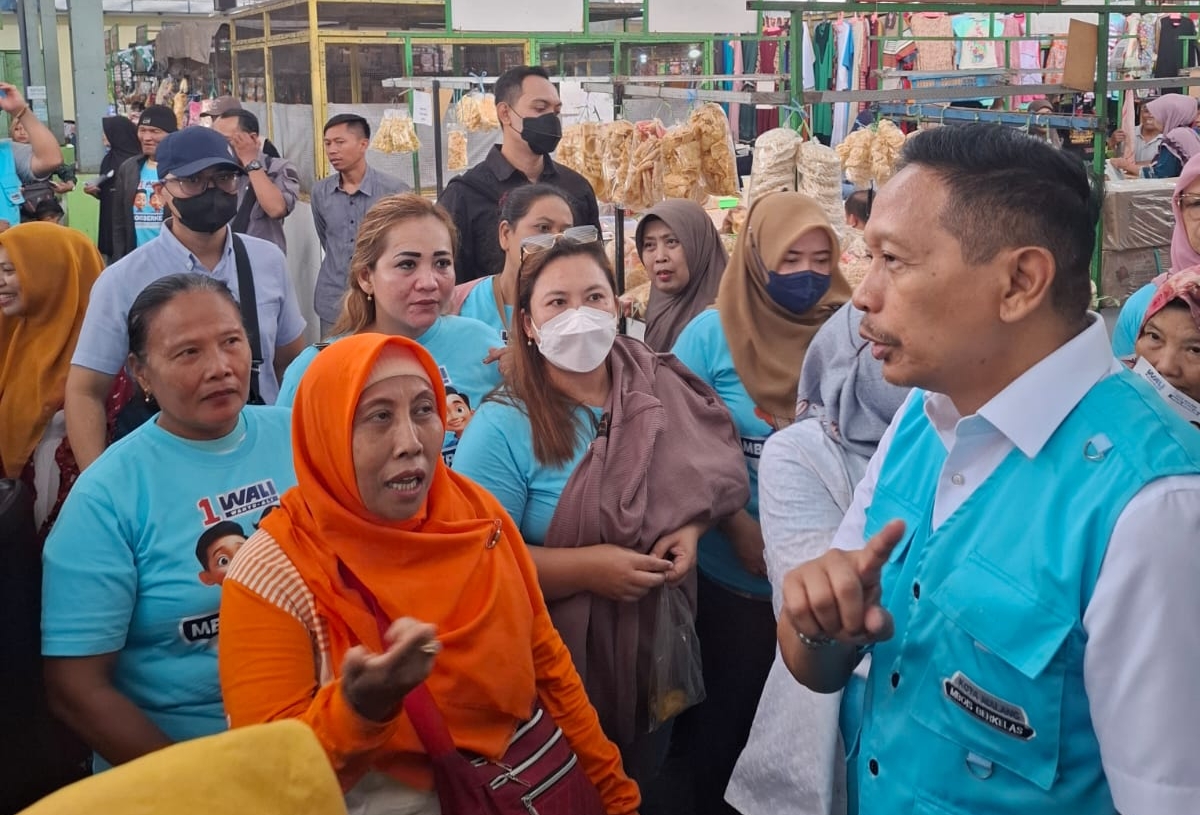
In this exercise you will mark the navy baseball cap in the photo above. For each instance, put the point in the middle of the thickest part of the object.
(193, 149)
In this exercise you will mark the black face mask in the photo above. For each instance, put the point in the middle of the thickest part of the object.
(542, 133)
(206, 212)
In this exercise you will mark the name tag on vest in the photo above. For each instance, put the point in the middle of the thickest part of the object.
(991, 710)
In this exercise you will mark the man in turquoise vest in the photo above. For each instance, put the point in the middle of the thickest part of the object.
(1021, 560)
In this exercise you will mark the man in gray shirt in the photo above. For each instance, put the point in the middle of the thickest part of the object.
(339, 203)
(273, 184)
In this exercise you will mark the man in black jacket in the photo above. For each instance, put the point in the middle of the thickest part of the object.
(131, 229)
(528, 107)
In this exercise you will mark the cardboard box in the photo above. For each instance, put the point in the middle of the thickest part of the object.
(1124, 272)
(1136, 213)
(1079, 74)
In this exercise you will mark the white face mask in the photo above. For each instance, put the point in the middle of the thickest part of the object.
(578, 339)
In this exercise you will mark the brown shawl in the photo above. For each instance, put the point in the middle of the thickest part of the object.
(768, 342)
(667, 314)
(645, 477)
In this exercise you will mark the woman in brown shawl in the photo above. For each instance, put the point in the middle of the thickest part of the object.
(782, 283)
(591, 446)
(684, 258)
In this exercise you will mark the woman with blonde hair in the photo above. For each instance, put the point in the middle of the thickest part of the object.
(400, 283)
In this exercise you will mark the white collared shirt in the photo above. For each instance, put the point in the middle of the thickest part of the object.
(1143, 621)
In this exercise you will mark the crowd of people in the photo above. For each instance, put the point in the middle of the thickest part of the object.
(921, 543)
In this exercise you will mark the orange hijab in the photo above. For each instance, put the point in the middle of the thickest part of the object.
(440, 566)
(56, 268)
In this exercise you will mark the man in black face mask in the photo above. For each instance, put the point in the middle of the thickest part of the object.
(528, 107)
(199, 178)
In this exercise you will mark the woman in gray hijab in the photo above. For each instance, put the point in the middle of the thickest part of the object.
(794, 762)
(684, 259)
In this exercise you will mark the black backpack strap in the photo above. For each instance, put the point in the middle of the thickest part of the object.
(249, 305)
(241, 221)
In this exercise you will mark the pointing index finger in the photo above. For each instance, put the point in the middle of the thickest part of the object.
(878, 549)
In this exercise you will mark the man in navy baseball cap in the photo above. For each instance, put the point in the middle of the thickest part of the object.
(188, 152)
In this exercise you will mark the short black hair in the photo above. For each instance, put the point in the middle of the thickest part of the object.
(1005, 189)
(155, 296)
(508, 86)
(858, 204)
(247, 121)
(351, 120)
(48, 207)
(455, 392)
(515, 204)
(213, 534)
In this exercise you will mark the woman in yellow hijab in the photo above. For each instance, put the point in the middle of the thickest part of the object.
(46, 276)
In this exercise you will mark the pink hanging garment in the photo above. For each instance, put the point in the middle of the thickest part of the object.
(1056, 59)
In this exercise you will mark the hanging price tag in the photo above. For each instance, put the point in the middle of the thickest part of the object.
(422, 112)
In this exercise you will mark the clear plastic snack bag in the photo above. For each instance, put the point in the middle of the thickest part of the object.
(676, 673)
(456, 148)
(396, 133)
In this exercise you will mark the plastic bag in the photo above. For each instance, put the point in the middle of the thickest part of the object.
(682, 163)
(774, 167)
(456, 148)
(641, 186)
(396, 133)
(676, 674)
(618, 151)
(477, 111)
(718, 162)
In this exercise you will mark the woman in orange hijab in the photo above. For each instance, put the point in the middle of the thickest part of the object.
(46, 276)
(376, 509)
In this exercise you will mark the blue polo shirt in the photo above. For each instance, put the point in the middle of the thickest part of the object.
(104, 341)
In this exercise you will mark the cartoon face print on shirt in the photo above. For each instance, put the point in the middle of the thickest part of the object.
(216, 548)
(458, 412)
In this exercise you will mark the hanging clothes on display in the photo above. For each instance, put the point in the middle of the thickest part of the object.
(1118, 44)
(1147, 31)
(1024, 55)
(933, 55)
(746, 123)
(1056, 60)
(824, 48)
(766, 117)
(808, 67)
(845, 62)
(973, 50)
(1175, 53)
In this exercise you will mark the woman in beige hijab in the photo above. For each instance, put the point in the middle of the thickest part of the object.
(781, 284)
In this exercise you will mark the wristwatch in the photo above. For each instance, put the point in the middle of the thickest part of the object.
(254, 165)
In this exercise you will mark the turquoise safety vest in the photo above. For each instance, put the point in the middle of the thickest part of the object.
(10, 185)
(977, 705)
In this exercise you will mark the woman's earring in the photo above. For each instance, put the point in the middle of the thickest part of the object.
(149, 397)
(370, 297)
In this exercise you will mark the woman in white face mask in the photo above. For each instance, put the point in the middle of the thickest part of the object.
(591, 446)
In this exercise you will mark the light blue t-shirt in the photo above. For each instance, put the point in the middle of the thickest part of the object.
(480, 304)
(104, 341)
(458, 345)
(1129, 321)
(497, 453)
(122, 571)
(147, 207)
(702, 347)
